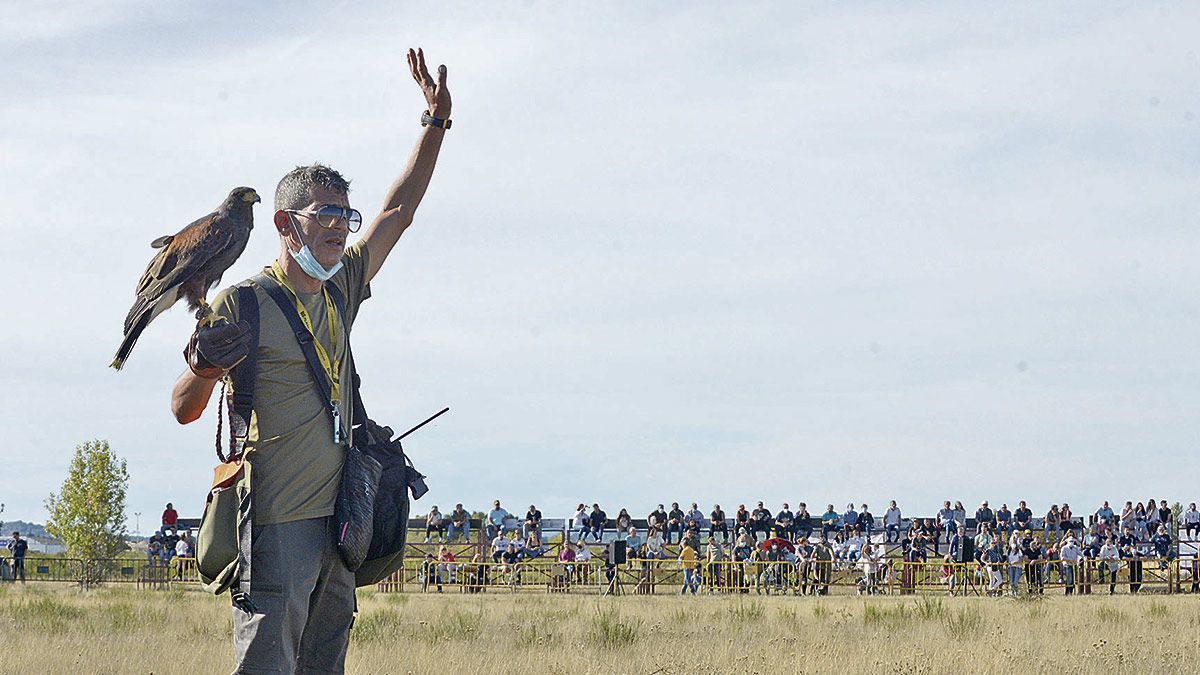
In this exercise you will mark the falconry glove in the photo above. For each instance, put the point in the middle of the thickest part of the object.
(213, 350)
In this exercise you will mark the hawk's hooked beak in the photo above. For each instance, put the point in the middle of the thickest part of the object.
(252, 197)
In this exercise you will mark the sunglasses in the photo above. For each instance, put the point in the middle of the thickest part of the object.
(329, 216)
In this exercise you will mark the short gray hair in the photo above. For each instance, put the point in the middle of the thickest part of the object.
(295, 189)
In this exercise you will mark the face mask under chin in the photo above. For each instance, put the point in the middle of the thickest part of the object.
(308, 262)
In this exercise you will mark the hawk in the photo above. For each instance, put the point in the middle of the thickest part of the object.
(190, 263)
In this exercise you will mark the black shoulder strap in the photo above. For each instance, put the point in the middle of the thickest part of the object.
(241, 401)
(305, 338)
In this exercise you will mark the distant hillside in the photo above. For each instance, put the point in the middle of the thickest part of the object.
(26, 529)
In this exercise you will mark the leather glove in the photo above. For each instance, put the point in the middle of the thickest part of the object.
(214, 350)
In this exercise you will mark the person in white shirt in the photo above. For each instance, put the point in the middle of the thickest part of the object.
(499, 545)
(580, 521)
(1069, 554)
(891, 523)
(1110, 560)
(1015, 560)
(654, 545)
(1190, 520)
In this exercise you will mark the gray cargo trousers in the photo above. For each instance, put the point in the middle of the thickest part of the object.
(304, 602)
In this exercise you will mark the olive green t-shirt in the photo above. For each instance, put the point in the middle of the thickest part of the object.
(297, 466)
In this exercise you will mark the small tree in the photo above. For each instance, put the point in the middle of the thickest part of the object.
(88, 513)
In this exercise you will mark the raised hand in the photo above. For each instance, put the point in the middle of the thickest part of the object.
(437, 97)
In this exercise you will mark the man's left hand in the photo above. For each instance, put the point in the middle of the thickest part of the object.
(436, 95)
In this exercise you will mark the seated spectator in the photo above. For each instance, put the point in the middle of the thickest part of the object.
(633, 543)
(654, 545)
(582, 522)
(803, 522)
(509, 559)
(170, 519)
(496, 520)
(866, 521)
(1052, 524)
(434, 523)
(1023, 517)
(743, 546)
(1164, 515)
(499, 545)
(597, 521)
(1161, 541)
(741, 519)
(169, 543)
(428, 573)
(624, 523)
(1139, 522)
(783, 523)
(533, 522)
(849, 518)
(829, 521)
(983, 517)
(1065, 518)
(675, 522)
(657, 519)
(582, 553)
(154, 551)
(945, 520)
(460, 523)
(891, 522)
(716, 523)
(1004, 521)
(1126, 520)
(760, 521)
(691, 537)
(1153, 517)
(1190, 521)
(696, 516)
(532, 547)
(1104, 514)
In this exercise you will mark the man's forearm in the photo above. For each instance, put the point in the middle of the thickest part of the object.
(403, 198)
(190, 396)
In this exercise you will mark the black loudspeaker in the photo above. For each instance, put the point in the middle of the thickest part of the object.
(615, 552)
(966, 550)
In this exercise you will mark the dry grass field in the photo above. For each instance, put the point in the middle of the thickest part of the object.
(56, 629)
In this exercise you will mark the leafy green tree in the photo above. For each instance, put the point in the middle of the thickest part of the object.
(88, 512)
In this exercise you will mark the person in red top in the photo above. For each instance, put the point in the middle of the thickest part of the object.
(169, 518)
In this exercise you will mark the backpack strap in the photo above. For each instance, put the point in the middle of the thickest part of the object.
(305, 339)
(241, 400)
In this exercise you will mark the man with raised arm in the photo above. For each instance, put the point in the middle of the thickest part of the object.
(302, 593)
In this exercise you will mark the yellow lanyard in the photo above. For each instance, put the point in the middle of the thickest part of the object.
(332, 368)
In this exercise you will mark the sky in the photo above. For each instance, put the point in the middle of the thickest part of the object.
(685, 252)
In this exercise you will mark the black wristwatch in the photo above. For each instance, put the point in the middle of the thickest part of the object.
(428, 120)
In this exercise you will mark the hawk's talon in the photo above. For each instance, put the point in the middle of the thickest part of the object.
(205, 314)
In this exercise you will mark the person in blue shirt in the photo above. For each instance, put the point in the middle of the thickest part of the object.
(849, 518)
(1105, 514)
(829, 521)
(495, 519)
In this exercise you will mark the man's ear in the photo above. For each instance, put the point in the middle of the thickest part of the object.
(281, 221)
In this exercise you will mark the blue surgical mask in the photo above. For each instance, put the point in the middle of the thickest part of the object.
(308, 262)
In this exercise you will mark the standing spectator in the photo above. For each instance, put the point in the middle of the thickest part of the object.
(1015, 559)
(624, 524)
(496, 518)
(783, 523)
(18, 546)
(866, 521)
(1052, 523)
(993, 561)
(183, 551)
(803, 522)
(822, 566)
(1069, 553)
(1127, 543)
(687, 560)
(849, 519)
(956, 540)
(675, 522)
(533, 522)
(460, 522)
(597, 521)
(891, 522)
(1190, 521)
(434, 523)
(760, 521)
(1023, 517)
(170, 519)
(1110, 560)
(1104, 514)
(716, 523)
(829, 521)
(581, 522)
(1004, 521)
(983, 517)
